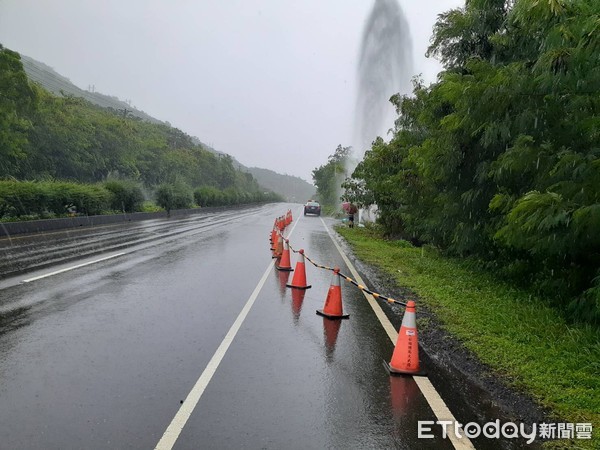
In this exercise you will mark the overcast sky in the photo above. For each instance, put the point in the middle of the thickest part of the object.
(271, 82)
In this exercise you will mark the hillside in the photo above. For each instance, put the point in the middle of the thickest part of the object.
(58, 84)
(290, 187)
(294, 189)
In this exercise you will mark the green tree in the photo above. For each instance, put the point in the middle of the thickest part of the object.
(127, 196)
(176, 195)
(329, 177)
(500, 157)
(17, 102)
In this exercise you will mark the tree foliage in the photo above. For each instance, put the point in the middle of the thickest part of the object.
(500, 158)
(49, 137)
(127, 196)
(174, 196)
(329, 177)
(16, 102)
(52, 198)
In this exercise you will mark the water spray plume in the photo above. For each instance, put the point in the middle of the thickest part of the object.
(385, 68)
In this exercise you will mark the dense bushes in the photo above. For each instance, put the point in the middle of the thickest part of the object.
(208, 196)
(20, 198)
(46, 199)
(499, 159)
(174, 196)
(126, 196)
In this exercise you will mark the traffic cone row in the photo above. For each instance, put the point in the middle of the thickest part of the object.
(274, 238)
(284, 262)
(405, 358)
(278, 247)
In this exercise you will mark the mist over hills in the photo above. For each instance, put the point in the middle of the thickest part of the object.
(292, 188)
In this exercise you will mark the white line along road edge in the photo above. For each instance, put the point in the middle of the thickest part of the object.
(174, 429)
(435, 401)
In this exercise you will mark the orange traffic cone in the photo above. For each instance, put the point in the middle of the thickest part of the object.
(274, 237)
(291, 217)
(284, 262)
(405, 359)
(299, 280)
(278, 247)
(333, 303)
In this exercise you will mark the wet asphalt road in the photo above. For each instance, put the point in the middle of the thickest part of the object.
(102, 356)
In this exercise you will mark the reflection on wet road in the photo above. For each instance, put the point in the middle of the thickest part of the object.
(102, 356)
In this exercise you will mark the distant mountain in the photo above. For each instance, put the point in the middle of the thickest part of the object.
(292, 188)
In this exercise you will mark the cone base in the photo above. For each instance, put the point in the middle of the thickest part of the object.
(298, 287)
(400, 373)
(332, 317)
(284, 269)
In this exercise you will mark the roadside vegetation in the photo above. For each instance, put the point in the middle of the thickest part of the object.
(488, 195)
(59, 153)
(500, 158)
(30, 200)
(524, 341)
(328, 178)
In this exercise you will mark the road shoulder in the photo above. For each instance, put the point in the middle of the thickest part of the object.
(461, 377)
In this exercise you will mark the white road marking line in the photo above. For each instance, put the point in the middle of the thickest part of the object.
(435, 401)
(174, 429)
(29, 280)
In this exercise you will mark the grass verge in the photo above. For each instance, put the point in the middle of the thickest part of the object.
(517, 335)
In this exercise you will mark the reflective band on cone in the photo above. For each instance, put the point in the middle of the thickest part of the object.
(284, 262)
(299, 280)
(405, 359)
(333, 308)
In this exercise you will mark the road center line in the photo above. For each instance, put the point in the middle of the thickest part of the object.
(434, 399)
(174, 429)
(56, 272)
